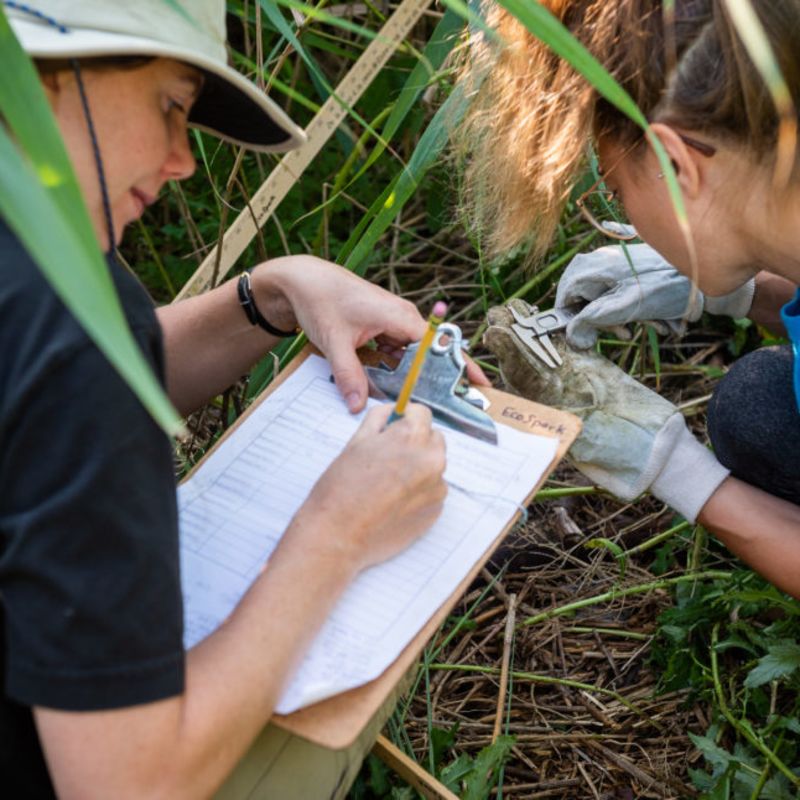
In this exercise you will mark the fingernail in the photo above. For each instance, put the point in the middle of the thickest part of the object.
(352, 401)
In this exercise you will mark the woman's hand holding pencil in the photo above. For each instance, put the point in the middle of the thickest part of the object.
(434, 321)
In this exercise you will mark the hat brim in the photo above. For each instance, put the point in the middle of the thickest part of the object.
(229, 106)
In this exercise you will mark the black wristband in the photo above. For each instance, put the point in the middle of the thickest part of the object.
(255, 317)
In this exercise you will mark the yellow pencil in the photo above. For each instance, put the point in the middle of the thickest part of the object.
(434, 320)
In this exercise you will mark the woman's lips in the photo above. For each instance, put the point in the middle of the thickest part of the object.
(142, 200)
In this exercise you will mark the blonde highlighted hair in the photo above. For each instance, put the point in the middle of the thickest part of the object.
(531, 117)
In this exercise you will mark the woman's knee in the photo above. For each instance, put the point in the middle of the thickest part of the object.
(754, 424)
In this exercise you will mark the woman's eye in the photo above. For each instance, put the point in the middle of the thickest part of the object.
(172, 103)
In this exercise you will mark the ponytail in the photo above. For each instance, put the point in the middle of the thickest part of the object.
(524, 139)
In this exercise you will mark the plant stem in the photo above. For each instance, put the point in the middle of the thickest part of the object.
(615, 594)
(642, 637)
(661, 537)
(743, 728)
(534, 678)
(157, 259)
(572, 491)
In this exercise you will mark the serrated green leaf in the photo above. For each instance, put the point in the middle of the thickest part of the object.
(442, 740)
(718, 757)
(378, 776)
(786, 723)
(701, 780)
(487, 763)
(780, 661)
(452, 775)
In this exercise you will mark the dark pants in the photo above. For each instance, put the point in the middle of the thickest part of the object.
(754, 424)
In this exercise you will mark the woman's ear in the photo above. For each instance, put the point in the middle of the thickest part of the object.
(52, 84)
(684, 160)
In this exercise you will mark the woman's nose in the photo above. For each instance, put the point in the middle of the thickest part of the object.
(180, 163)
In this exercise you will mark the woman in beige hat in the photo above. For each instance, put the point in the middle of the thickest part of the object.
(95, 672)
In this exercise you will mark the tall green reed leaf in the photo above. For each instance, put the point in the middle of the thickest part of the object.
(330, 19)
(543, 25)
(276, 18)
(41, 201)
(388, 206)
(468, 12)
(280, 24)
(436, 50)
(755, 40)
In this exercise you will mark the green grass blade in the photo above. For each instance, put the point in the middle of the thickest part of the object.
(277, 19)
(437, 49)
(430, 145)
(468, 12)
(41, 201)
(433, 56)
(329, 19)
(543, 25)
(755, 40)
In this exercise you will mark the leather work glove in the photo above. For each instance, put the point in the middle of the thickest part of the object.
(632, 439)
(641, 286)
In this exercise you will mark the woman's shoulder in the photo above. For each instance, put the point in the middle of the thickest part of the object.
(30, 308)
(39, 334)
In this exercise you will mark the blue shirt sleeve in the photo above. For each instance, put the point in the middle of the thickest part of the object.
(790, 314)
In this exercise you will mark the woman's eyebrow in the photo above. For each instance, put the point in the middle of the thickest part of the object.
(195, 80)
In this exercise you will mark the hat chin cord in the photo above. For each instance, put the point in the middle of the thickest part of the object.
(101, 175)
(76, 68)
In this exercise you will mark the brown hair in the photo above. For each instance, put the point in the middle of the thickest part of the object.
(524, 137)
(50, 65)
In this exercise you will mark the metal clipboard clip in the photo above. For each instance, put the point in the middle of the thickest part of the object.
(440, 385)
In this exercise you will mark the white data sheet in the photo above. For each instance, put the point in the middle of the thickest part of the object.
(236, 505)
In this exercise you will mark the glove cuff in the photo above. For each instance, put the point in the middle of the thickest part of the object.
(688, 472)
(736, 305)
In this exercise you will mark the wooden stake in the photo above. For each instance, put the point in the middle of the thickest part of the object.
(411, 772)
(508, 638)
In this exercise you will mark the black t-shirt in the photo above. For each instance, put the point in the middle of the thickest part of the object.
(91, 613)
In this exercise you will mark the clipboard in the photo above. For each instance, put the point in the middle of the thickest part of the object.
(336, 722)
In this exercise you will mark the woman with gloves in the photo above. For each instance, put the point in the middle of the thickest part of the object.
(526, 137)
(100, 700)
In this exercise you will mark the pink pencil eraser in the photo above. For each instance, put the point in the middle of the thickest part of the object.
(439, 308)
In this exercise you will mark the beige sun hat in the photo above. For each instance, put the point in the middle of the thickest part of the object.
(229, 106)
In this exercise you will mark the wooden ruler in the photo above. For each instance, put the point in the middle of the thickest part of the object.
(411, 772)
(293, 164)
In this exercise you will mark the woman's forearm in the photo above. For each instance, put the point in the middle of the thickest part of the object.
(209, 343)
(761, 529)
(184, 746)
